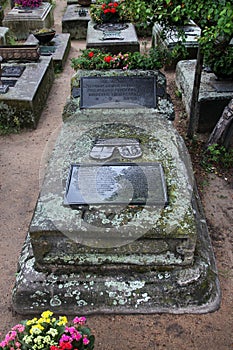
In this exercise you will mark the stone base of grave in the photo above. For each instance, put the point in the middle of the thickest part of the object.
(192, 33)
(214, 94)
(22, 22)
(128, 41)
(124, 290)
(74, 23)
(58, 48)
(27, 100)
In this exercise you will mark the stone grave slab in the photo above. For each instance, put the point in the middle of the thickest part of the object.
(213, 98)
(118, 92)
(192, 33)
(76, 22)
(21, 23)
(29, 93)
(122, 258)
(110, 258)
(58, 48)
(113, 41)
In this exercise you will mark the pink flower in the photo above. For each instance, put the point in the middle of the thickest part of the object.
(80, 320)
(86, 341)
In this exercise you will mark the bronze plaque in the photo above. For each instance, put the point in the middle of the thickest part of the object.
(116, 183)
(118, 92)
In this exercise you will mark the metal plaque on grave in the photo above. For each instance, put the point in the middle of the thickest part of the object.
(12, 71)
(116, 183)
(118, 92)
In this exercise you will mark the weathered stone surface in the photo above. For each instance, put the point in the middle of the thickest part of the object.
(128, 42)
(212, 102)
(118, 259)
(61, 44)
(75, 24)
(22, 23)
(191, 289)
(103, 226)
(28, 96)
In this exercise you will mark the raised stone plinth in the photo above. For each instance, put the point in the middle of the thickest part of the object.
(22, 22)
(125, 40)
(192, 34)
(58, 48)
(27, 97)
(214, 94)
(74, 23)
(118, 258)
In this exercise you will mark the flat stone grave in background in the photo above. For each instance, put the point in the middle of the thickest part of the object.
(214, 94)
(58, 48)
(26, 96)
(118, 92)
(112, 39)
(144, 257)
(22, 22)
(75, 21)
(192, 33)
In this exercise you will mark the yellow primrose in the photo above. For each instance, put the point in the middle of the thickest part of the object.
(30, 322)
(62, 320)
(36, 329)
(46, 314)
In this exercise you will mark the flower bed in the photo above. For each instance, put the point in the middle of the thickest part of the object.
(96, 59)
(49, 333)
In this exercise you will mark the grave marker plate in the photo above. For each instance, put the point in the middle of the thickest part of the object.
(116, 183)
(118, 92)
(12, 71)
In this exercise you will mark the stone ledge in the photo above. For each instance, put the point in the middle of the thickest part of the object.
(212, 102)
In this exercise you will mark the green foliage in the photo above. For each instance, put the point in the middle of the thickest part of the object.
(11, 121)
(217, 156)
(214, 17)
(8, 121)
(96, 59)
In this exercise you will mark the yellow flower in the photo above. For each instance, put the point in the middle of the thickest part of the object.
(46, 314)
(36, 329)
(62, 320)
(30, 322)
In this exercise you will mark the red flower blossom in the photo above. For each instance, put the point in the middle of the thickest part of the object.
(113, 10)
(91, 54)
(115, 4)
(108, 59)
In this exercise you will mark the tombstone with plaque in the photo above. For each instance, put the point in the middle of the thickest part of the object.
(117, 226)
(112, 37)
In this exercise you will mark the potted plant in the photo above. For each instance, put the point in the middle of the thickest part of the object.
(49, 333)
(44, 35)
(109, 11)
